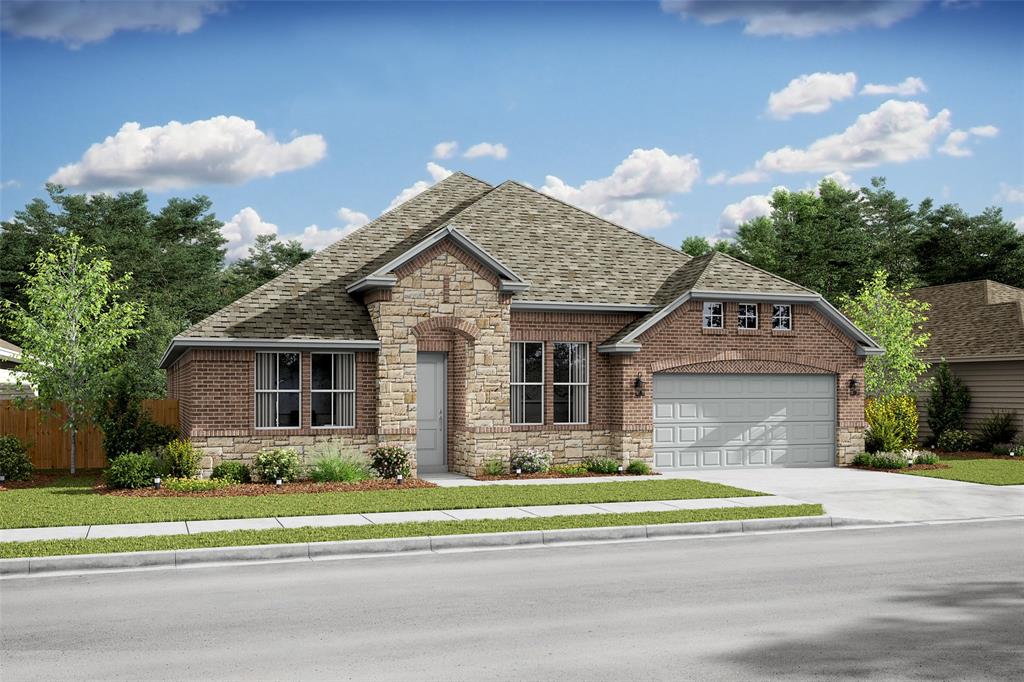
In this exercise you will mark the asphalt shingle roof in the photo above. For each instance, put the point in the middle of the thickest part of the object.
(973, 320)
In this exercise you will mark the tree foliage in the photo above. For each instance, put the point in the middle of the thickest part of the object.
(267, 259)
(948, 403)
(696, 246)
(894, 320)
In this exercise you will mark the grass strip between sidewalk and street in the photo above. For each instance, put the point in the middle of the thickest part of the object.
(393, 530)
(75, 502)
(986, 471)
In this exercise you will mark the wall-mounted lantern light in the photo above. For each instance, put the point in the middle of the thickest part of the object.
(638, 386)
(853, 386)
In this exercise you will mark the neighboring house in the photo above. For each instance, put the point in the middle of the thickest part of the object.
(473, 320)
(10, 358)
(978, 327)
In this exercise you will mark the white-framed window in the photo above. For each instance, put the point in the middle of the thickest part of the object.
(278, 385)
(571, 383)
(713, 318)
(332, 394)
(782, 317)
(747, 316)
(527, 382)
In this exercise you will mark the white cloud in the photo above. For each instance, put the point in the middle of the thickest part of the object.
(481, 149)
(445, 150)
(747, 177)
(353, 219)
(717, 178)
(795, 18)
(1014, 195)
(634, 195)
(984, 131)
(843, 180)
(219, 150)
(743, 211)
(241, 232)
(10, 184)
(1019, 223)
(811, 93)
(437, 174)
(954, 144)
(78, 23)
(906, 88)
(895, 132)
(315, 237)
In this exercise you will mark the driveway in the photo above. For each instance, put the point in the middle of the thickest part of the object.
(854, 493)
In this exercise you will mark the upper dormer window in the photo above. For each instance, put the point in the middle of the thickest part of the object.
(782, 317)
(713, 318)
(747, 316)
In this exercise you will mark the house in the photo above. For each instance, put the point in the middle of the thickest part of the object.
(978, 327)
(473, 320)
(10, 358)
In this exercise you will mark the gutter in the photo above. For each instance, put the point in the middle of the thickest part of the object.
(180, 344)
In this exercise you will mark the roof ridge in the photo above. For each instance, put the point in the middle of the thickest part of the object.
(970, 281)
(680, 252)
(770, 274)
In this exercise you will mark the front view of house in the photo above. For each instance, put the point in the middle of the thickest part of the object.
(473, 320)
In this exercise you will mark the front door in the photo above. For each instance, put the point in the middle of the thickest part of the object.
(431, 401)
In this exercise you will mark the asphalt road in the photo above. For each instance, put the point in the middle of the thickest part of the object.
(939, 602)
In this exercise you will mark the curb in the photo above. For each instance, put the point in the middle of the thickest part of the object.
(316, 551)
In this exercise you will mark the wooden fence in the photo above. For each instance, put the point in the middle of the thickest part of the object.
(50, 445)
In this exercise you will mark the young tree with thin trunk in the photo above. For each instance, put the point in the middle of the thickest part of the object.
(72, 329)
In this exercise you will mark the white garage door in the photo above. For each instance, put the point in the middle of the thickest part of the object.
(704, 421)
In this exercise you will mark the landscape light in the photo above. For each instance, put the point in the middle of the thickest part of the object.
(518, 471)
(156, 483)
(620, 468)
(398, 479)
(279, 483)
(2, 478)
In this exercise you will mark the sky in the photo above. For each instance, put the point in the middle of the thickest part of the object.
(306, 120)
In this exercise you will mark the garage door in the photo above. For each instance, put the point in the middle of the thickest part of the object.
(710, 421)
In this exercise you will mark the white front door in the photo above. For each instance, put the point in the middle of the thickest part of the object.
(431, 401)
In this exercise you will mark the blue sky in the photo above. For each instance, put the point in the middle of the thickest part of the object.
(305, 119)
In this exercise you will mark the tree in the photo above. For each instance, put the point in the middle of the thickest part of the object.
(895, 321)
(72, 329)
(890, 222)
(267, 259)
(953, 246)
(696, 246)
(948, 402)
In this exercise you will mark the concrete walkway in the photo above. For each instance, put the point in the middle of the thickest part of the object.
(128, 530)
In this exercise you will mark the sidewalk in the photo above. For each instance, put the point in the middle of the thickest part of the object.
(126, 530)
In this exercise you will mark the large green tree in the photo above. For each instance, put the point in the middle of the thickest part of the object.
(73, 328)
(952, 246)
(268, 257)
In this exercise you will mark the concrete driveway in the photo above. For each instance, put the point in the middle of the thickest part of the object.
(854, 493)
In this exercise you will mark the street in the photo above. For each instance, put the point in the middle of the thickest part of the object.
(921, 602)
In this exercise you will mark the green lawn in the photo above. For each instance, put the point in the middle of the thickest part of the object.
(73, 502)
(989, 471)
(394, 530)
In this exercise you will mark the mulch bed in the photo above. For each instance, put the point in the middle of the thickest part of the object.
(973, 454)
(914, 467)
(552, 474)
(255, 489)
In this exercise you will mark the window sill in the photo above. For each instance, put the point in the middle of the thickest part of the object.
(713, 331)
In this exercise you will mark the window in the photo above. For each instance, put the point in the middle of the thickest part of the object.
(333, 393)
(277, 390)
(782, 317)
(748, 316)
(712, 315)
(528, 383)
(572, 376)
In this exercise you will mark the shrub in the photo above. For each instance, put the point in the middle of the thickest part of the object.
(132, 470)
(530, 460)
(271, 465)
(493, 467)
(948, 402)
(927, 458)
(570, 469)
(179, 459)
(1002, 449)
(194, 485)
(390, 461)
(343, 467)
(15, 464)
(127, 427)
(955, 440)
(893, 420)
(601, 465)
(235, 472)
(872, 443)
(999, 427)
(638, 467)
(862, 460)
(888, 460)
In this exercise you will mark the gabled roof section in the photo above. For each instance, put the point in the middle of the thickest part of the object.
(384, 277)
(982, 320)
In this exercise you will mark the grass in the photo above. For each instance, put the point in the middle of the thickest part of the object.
(72, 501)
(393, 530)
(987, 471)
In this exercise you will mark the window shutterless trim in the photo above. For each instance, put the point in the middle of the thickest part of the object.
(275, 391)
(513, 382)
(788, 318)
(740, 316)
(333, 392)
(720, 315)
(585, 384)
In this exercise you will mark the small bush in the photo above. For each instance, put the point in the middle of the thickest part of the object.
(570, 469)
(999, 427)
(872, 443)
(234, 472)
(271, 465)
(955, 440)
(390, 461)
(194, 485)
(345, 467)
(948, 402)
(602, 465)
(862, 460)
(127, 427)
(893, 421)
(888, 460)
(927, 458)
(494, 467)
(179, 459)
(132, 470)
(530, 460)
(1002, 449)
(638, 467)
(15, 464)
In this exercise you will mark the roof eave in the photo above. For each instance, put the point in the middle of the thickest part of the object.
(180, 344)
